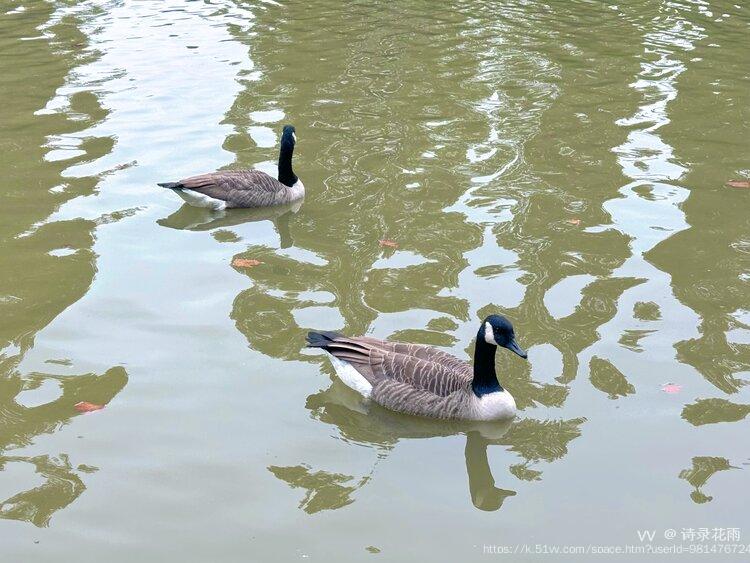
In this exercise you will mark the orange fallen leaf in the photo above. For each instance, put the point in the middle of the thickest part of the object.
(387, 243)
(245, 263)
(738, 184)
(671, 388)
(574, 221)
(84, 406)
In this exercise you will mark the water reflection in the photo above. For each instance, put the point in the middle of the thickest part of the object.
(324, 490)
(608, 379)
(21, 425)
(712, 411)
(361, 422)
(716, 284)
(61, 487)
(562, 164)
(703, 469)
(35, 159)
(487, 213)
(484, 494)
(200, 219)
(49, 263)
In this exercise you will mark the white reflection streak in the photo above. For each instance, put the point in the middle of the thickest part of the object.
(650, 211)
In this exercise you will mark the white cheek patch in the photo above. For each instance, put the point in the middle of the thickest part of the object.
(489, 335)
(294, 136)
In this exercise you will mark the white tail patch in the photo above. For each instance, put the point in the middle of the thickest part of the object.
(350, 376)
(197, 199)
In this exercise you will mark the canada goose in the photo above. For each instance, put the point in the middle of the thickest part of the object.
(244, 188)
(421, 380)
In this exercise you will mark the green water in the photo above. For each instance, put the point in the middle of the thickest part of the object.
(561, 163)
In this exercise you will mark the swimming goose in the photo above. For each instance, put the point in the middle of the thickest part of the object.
(421, 380)
(244, 188)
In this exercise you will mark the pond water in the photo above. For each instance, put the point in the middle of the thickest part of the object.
(563, 164)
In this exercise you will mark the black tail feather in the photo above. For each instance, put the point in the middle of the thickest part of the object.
(321, 339)
(171, 185)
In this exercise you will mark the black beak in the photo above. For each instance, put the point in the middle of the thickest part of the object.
(514, 347)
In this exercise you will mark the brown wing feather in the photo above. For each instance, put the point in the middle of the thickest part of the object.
(417, 366)
(402, 397)
(422, 351)
(241, 188)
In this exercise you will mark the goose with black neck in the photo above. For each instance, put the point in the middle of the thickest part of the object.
(245, 188)
(422, 380)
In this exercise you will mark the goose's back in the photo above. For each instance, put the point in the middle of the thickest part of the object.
(422, 352)
(418, 366)
(422, 373)
(240, 188)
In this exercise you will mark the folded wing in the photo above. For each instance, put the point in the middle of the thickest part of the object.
(414, 367)
(244, 188)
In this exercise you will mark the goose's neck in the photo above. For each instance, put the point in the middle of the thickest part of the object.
(485, 378)
(286, 174)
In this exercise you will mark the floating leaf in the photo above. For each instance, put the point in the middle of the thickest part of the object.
(574, 221)
(739, 183)
(387, 243)
(671, 388)
(84, 406)
(245, 263)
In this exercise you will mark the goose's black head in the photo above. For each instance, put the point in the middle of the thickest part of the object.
(499, 332)
(288, 135)
(288, 139)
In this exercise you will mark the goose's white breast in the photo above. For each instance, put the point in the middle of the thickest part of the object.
(494, 406)
(297, 189)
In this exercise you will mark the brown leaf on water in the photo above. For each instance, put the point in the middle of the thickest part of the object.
(245, 263)
(84, 406)
(387, 243)
(574, 221)
(739, 183)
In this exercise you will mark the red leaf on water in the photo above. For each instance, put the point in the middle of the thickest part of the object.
(574, 221)
(387, 243)
(671, 388)
(245, 263)
(738, 183)
(83, 406)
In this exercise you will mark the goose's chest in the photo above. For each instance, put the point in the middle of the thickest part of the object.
(493, 406)
(297, 191)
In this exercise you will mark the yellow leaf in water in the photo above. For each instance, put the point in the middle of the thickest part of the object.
(574, 221)
(739, 184)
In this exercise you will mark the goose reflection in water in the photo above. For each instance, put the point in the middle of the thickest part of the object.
(189, 218)
(364, 422)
